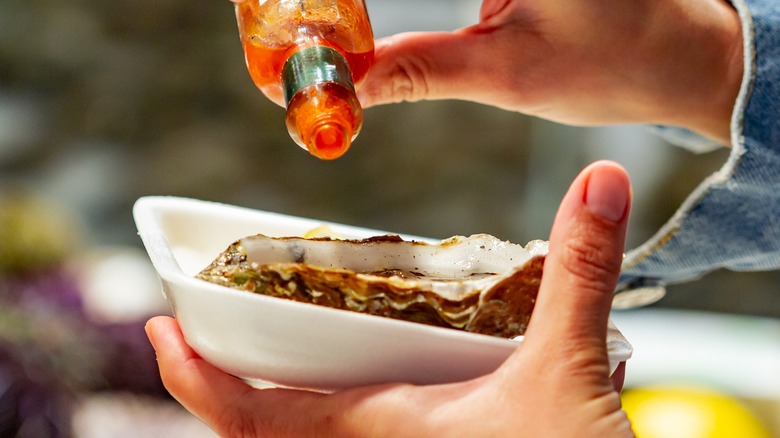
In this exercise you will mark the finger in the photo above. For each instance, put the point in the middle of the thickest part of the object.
(223, 402)
(563, 360)
(429, 65)
(232, 408)
(582, 267)
(195, 383)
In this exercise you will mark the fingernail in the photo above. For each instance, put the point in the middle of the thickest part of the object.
(608, 192)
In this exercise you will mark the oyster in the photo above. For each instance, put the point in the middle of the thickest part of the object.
(479, 283)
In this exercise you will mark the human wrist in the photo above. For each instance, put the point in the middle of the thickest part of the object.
(700, 67)
(713, 117)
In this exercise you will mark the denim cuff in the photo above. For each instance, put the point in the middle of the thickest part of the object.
(732, 220)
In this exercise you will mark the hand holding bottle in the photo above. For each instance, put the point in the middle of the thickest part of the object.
(582, 62)
(556, 384)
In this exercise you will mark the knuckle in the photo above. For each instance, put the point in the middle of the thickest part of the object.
(238, 424)
(235, 420)
(583, 358)
(590, 260)
(409, 80)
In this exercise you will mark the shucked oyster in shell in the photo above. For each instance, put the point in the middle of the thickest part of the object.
(479, 283)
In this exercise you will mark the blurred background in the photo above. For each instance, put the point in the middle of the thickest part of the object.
(104, 102)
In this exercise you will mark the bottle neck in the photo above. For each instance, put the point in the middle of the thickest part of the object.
(315, 64)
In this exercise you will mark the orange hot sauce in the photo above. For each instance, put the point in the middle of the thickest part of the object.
(308, 55)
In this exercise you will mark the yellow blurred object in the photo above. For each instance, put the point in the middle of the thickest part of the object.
(36, 232)
(322, 231)
(689, 412)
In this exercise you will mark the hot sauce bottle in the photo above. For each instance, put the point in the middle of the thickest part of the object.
(308, 55)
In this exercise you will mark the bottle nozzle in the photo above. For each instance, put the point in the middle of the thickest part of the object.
(323, 113)
(323, 118)
(330, 140)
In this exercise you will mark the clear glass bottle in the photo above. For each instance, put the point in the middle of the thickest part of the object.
(308, 55)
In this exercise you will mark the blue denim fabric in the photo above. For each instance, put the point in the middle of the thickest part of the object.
(732, 220)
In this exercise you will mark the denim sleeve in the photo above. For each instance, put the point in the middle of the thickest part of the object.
(732, 220)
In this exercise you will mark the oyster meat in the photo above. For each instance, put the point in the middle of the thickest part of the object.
(479, 283)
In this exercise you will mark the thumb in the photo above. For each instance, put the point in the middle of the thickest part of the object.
(417, 66)
(563, 360)
(583, 264)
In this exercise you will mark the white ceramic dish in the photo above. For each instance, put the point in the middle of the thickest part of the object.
(272, 341)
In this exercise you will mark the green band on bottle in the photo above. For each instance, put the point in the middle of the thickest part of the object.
(314, 65)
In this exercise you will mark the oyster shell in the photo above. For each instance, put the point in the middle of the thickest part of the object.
(478, 283)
